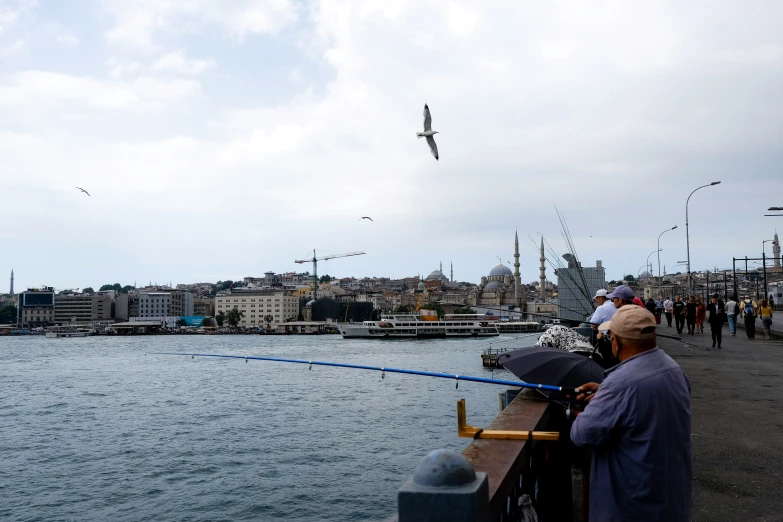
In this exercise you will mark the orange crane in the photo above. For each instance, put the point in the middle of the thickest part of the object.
(315, 266)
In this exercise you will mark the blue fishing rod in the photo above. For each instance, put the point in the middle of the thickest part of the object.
(382, 369)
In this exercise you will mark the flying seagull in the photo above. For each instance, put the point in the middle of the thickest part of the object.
(365, 217)
(428, 132)
(84, 191)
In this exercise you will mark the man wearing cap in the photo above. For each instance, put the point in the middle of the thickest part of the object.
(621, 296)
(604, 311)
(638, 425)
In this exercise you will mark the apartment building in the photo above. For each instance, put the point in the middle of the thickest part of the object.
(156, 305)
(204, 306)
(257, 305)
(82, 308)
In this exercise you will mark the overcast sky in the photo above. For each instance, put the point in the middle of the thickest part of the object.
(221, 140)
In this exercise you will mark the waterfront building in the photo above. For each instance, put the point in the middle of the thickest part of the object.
(36, 306)
(126, 306)
(576, 286)
(279, 306)
(204, 306)
(173, 303)
(81, 308)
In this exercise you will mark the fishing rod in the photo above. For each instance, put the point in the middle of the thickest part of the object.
(382, 369)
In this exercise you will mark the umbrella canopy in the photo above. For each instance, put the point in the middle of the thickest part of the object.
(551, 366)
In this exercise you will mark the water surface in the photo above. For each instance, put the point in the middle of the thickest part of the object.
(97, 429)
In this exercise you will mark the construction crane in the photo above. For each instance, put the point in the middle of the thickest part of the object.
(315, 266)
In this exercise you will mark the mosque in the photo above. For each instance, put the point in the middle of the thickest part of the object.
(501, 287)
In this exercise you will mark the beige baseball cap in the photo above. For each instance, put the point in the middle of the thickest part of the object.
(631, 322)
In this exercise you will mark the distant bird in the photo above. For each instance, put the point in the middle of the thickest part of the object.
(84, 191)
(365, 217)
(428, 132)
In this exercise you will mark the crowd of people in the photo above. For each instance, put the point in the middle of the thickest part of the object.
(693, 312)
(637, 421)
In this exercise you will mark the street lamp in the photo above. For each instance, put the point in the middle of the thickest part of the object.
(648, 263)
(775, 208)
(687, 236)
(659, 250)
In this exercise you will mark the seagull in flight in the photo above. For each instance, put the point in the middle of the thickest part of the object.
(428, 132)
(365, 217)
(84, 191)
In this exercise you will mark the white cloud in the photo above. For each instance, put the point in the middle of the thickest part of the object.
(7, 18)
(763, 54)
(136, 23)
(12, 49)
(32, 89)
(119, 68)
(176, 62)
(566, 100)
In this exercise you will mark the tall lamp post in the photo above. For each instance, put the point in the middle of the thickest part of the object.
(659, 251)
(687, 236)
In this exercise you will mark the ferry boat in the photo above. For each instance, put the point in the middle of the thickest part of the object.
(68, 331)
(424, 325)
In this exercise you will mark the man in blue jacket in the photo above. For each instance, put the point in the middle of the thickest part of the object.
(638, 426)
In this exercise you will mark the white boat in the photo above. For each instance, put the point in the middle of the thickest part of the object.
(424, 325)
(68, 331)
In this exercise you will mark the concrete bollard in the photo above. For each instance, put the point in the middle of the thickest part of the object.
(444, 487)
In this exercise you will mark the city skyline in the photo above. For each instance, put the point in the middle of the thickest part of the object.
(219, 142)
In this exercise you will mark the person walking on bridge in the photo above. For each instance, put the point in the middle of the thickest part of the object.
(701, 314)
(690, 314)
(679, 313)
(667, 310)
(638, 426)
(765, 311)
(717, 318)
(748, 311)
(732, 311)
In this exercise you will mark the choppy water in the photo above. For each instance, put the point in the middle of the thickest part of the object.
(94, 429)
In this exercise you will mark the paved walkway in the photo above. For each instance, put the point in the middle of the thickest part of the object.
(737, 394)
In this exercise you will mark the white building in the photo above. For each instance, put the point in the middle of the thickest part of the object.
(257, 305)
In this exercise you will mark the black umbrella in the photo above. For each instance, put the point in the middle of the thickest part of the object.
(551, 366)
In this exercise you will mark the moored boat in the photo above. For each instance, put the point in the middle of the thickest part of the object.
(426, 324)
(68, 331)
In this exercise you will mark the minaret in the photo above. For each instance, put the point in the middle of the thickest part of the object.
(12, 277)
(542, 275)
(776, 251)
(517, 297)
(441, 267)
(452, 272)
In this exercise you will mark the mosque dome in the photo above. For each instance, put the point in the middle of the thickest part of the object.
(422, 287)
(500, 271)
(310, 303)
(437, 275)
(492, 285)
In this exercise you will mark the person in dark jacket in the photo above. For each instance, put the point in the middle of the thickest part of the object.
(717, 318)
(678, 308)
(690, 314)
(650, 306)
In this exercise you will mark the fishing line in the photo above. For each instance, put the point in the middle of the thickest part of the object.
(383, 370)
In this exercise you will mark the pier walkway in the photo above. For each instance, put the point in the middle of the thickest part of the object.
(737, 395)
